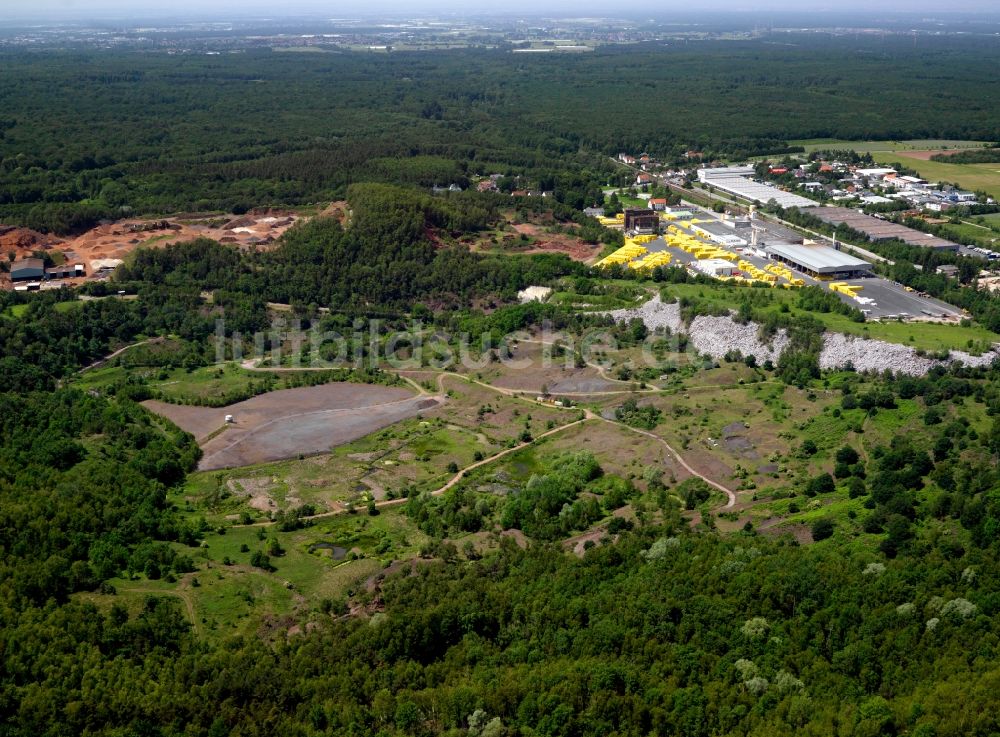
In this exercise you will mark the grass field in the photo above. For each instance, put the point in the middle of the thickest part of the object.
(834, 144)
(983, 235)
(19, 310)
(226, 594)
(15, 311)
(180, 384)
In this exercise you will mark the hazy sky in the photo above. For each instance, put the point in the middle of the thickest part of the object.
(74, 9)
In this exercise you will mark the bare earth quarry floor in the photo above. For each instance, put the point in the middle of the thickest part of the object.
(292, 422)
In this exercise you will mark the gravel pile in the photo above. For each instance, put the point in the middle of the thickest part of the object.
(654, 314)
(877, 355)
(717, 336)
(967, 359)
(713, 336)
(871, 355)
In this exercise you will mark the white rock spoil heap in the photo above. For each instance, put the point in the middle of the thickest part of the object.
(717, 336)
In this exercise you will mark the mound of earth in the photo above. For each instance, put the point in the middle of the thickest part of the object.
(23, 241)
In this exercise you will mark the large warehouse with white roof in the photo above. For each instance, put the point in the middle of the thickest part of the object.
(736, 180)
(819, 261)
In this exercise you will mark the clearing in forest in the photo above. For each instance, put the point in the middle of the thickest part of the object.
(292, 422)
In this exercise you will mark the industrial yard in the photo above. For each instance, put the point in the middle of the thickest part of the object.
(881, 230)
(749, 250)
(97, 252)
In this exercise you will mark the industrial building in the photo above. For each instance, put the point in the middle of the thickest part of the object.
(821, 262)
(766, 232)
(66, 271)
(27, 268)
(737, 180)
(720, 233)
(642, 220)
(881, 230)
(714, 267)
(707, 173)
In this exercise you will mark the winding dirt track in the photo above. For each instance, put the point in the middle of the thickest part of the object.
(730, 495)
(589, 416)
(101, 361)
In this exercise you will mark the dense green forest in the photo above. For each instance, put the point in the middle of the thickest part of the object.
(87, 135)
(662, 626)
(666, 631)
(976, 156)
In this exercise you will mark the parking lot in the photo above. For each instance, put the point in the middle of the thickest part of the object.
(893, 300)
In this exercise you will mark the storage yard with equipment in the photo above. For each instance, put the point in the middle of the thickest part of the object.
(880, 230)
(749, 250)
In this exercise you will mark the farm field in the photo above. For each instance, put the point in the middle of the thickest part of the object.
(975, 177)
(968, 230)
(932, 144)
(291, 422)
